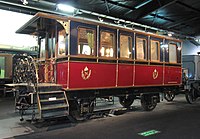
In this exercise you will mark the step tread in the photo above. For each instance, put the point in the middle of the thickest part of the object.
(50, 92)
(48, 85)
(54, 107)
(54, 116)
(47, 100)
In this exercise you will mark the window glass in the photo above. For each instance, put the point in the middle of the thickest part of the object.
(172, 53)
(86, 41)
(155, 50)
(2, 67)
(125, 46)
(6, 65)
(107, 44)
(42, 48)
(62, 42)
(141, 49)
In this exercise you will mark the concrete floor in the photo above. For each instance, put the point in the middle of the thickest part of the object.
(10, 124)
(176, 120)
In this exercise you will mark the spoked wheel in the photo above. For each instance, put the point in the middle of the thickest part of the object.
(126, 101)
(169, 95)
(191, 96)
(81, 110)
(148, 102)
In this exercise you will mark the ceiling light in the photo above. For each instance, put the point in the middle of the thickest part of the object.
(25, 2)
(169, 34)
(164, 46)
(193, 41)
(179, 48)
(66, 8)
(100, 19)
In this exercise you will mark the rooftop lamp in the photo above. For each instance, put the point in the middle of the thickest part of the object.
(65, 8)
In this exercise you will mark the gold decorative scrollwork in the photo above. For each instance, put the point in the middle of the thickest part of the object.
(155, 74)
(86, 73)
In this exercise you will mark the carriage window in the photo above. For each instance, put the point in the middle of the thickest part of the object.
(42, 48)
(172, 53)
(141, 49)
(2, 67)
(107, 44)
(6, 65)
(125, 46)
(155, 50)
(62, 42)
(86, 41)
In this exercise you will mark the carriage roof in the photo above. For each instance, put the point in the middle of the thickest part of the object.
(31, 27)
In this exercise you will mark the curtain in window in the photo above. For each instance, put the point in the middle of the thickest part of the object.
(154, 51)
(90, 39)
(140, 49)
(172, 53)
(124, 46)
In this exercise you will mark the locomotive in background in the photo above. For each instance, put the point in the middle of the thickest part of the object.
(191, 76)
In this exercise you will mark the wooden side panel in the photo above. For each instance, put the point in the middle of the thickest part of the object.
(173, 75)
(92, 75)
(148, 75)
(125, 75)
(62, 74)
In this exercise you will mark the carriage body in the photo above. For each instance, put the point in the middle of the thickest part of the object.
(91, 59)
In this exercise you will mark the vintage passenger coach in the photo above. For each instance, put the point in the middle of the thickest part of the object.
(91, 59)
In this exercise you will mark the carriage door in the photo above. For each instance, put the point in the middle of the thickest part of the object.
(53, 45)
(61, 50)
(46, 68)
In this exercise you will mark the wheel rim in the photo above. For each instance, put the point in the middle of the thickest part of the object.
(148, 106)
(126, 101)
(147, 103)
(190, 96)
(169, 96)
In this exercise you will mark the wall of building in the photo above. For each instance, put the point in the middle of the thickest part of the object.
(10, 22)
(189, 48)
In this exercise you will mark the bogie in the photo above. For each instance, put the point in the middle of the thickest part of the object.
(191, 96)
(81, 108)
(126, 101)
(169, 95)
(149, 101)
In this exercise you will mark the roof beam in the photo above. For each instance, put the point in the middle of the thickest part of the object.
(183, 21)
(196, 31)
(149, 8)
(188, 6)
(162, 17)
(119, 4)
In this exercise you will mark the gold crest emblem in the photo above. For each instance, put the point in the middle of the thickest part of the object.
(155, 74)
(86, 73)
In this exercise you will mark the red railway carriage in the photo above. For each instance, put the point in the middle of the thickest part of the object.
(91, 59)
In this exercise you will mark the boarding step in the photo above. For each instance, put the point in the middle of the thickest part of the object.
(54, 107)
(52, 99)
(48, 86)
(53, 115)
(50, 92)
(53, 103)
(54, 110)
